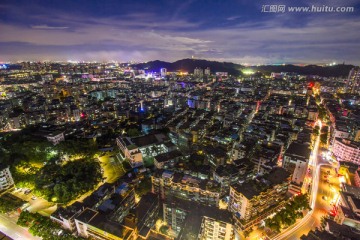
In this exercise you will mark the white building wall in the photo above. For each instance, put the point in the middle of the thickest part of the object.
(299, 172)
(346, 152)
(6, 180)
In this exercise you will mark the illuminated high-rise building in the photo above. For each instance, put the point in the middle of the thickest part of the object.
(215, 229)
(76, 114)
(163, 72)
(353, 82)
(198, 72)
(207, 71)
(254, 200)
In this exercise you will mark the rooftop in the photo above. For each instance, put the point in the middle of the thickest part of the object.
(147, 203)
(343, 230)
(254, 187)
(87, 215)
(116, 229)
(226, 170)
(316, 235)
(68, 212)
(149, 139)
(298, 149)
(164, 157)
(195, 213)
(277, 175)
(352, 167)
(347, 208)
(348, 142)
(53, 134)
(249, 188)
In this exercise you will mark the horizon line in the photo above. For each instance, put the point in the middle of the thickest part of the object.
(300, 64)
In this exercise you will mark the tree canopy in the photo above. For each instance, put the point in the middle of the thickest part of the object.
(64, 183)
(43, 227)
(8, 204)
(288, 215)
(58, 173)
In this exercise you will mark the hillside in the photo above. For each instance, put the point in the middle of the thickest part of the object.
(188, 65)
(327, 71)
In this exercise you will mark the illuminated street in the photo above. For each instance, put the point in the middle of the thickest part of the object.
(189, 120)
(320, 187)
(37, 204)
(8, 222)
(9, 227)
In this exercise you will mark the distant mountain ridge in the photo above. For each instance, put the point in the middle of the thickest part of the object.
(188, 65)
(340, 70)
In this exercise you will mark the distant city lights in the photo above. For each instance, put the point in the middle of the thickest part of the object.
(247, 71)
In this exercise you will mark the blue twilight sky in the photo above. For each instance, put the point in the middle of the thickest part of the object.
(143, 30)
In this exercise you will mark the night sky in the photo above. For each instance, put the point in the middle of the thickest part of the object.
(122, 30)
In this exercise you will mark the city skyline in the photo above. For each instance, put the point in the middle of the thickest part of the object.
(236, 31)
(213, 151)
(179, 120)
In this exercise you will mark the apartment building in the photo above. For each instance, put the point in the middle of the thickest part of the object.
(94, 225)
(296, 159)
(340, 131)
(6, 180)
(168, 183)
(348, 207)
(346, 150)
(120, 203)
(253, 200)
(105, 219)
(191, 220)
(66, 216)
(130, 151)
(214, 229)
(134, 149)
(55, 137)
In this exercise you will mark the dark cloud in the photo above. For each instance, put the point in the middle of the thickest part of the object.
(46, 27)
(169, 30)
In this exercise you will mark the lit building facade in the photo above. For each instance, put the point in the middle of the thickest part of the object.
(123, 201)
(56, 137)
(6, 180)
(346, 150)
(163, 72)
(94, 225)
(341, 132)
(174, 216)
(174, 184)
(207, 71)
(296, 159)
(357, 178)
(353, 82)
(191, 220)
(66, 216)
(198, 72)
(130, 151)
(213, 229)
(134, 149)
(252, 201)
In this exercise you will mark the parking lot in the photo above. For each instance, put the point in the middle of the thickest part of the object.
(37, 204)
